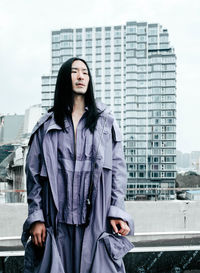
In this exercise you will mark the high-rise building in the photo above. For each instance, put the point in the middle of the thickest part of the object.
(134, 72)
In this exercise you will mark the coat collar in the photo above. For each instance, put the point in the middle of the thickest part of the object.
(52, 125)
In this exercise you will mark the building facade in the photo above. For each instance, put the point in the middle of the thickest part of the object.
(32, 115)
(134, 72)
(11, 128)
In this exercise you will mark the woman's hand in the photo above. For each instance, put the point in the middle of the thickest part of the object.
(119, 226)
(38, 233)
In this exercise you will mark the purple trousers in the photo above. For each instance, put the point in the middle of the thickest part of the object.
(69, 242)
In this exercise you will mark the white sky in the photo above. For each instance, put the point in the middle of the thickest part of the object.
(25, 44)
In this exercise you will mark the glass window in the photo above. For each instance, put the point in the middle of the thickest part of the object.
(131, 38)
(107, 34)
(98, 50)
(117, 56)
(131, 61)
(88, 35)
(98, 35)
(117, 100)
(131, 29)
(164, 38)
(130, 46)
(66, 44)
(107, 57)
(117, 41)
(130, 53)
(98, 57)
(141, 68)
(131, 76)
(153, 31)
(56, 38)
(141, 38)
(141, 61)
(98, 42)
(153, 39)
(107, 49)
(152, 46)
(107, 100)
(131, 68)
(140, 53)
(141, 30)
(55, 60)
(56, 46)
(117, 86)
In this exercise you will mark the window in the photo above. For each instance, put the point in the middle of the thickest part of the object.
(98, 35)
(117, 56)
(141, 38)
(117, 100)
(107, 57)
(66, 44)
(131, 61)
(153, 39)
(107, 34)
(98, 50)
(56, 38)
(56, 46)
(107, 49)
(131, 46)
(98, 42)
(131, 29)
(55, 60)
(155, 174)
(130, 53)
(140, 53)
(78, 36)
(155, 159)
(117, 41)
(141, 174)
(153, 31)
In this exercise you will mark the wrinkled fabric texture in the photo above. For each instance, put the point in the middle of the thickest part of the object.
(74, 172)
(107, 196)
(69, 243)
(43, 260)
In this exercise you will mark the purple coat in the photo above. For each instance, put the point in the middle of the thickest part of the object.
(101, 250)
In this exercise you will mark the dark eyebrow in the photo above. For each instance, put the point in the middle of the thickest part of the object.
(85, 69)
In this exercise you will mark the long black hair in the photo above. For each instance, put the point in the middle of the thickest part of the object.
(64, 97)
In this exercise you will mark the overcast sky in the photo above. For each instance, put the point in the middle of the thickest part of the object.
(25, 48)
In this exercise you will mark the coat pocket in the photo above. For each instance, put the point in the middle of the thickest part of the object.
(117, 246)
(109, 253)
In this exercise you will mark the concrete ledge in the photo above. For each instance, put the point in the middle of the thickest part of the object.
(149, 217)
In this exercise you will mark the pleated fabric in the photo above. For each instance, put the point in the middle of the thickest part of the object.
(69, 242)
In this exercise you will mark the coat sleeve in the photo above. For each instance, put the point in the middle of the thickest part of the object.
(119, 180)
(33, 167)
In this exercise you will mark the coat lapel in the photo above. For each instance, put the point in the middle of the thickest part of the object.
(50, 149)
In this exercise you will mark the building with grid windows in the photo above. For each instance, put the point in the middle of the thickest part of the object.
(134, 72)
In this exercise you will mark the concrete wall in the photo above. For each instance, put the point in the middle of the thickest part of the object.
(164, 216)
(149, 216)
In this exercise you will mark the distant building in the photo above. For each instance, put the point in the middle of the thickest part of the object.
(183, 160)
(11, 128)
(193, 195)
(32, 115)
(134, 72)
(188, 161)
